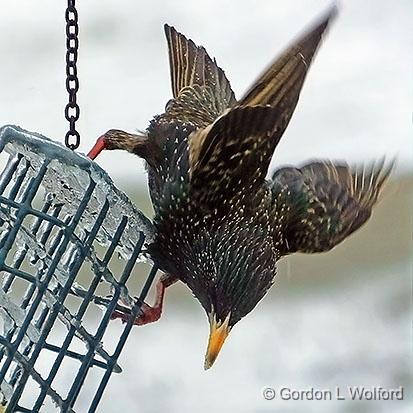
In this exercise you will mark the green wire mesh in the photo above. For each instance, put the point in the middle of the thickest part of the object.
(69, 242)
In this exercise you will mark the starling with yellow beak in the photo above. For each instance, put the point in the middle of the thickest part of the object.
(221, 226)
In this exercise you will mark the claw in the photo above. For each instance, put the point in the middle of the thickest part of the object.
(147, 315)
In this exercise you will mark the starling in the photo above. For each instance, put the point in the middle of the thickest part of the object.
(221, 226)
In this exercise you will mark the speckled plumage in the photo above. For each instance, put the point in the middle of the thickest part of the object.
(220, 224)
(213, 249)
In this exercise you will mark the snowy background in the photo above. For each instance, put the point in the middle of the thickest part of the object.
(339, 319)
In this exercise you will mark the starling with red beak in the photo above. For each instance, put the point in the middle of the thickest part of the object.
(221, 226)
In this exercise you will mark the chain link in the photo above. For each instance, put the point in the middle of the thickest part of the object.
(72, 110)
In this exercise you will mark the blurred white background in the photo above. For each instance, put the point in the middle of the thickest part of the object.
(336, 319)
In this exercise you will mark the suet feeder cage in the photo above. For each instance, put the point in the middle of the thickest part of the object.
(63, 223)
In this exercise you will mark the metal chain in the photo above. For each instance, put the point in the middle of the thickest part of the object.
(72, 110)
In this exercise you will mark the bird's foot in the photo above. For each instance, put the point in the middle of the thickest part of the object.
(146, 315)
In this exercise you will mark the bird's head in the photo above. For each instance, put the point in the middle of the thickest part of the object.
(119, 139)
(228, 270)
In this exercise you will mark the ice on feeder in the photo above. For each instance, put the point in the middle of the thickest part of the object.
(15, 313)
(67, 176)
(56, 206)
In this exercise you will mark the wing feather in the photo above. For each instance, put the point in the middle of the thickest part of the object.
(281, 82)
(191, 67)
(326, 202)
(246, 135)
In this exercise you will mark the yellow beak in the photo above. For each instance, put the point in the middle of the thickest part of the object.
(218, 333)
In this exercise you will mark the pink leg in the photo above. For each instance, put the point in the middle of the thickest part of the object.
(150, 314)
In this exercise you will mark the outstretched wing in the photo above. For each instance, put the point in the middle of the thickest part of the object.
(201, 91)
(322, 203)
(281, 82)
(236, 150)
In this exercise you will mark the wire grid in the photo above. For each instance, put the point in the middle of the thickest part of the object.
(61, 218)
